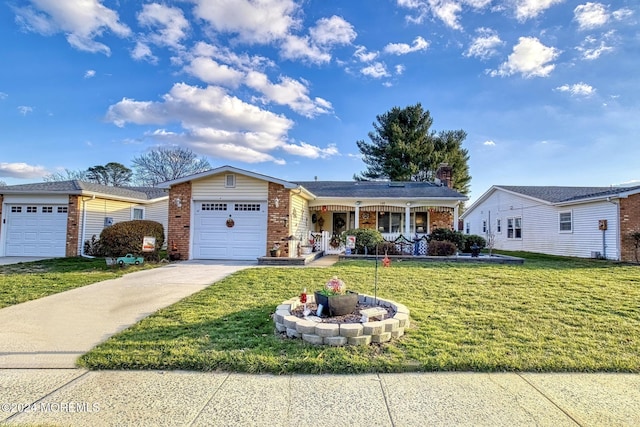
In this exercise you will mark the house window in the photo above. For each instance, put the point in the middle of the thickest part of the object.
(421, 222)
(230, 181)
(565, 220)
(63, 209)
(498, 226)
(467, 228)
(484, 225)
(47, 209)
(514, 228)
(390, 222)
(32, 209)
(16, 209)
(137, 213)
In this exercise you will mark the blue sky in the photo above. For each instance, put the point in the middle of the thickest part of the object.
(547, 90)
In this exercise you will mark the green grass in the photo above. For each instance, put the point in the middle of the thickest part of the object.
(27, 281)
(550, 314)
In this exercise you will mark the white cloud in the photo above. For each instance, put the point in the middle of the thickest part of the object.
(526, 9)
(214, 123)
(364, 56)
(311, 151)
(295, 47)
(3, 96)
(209, 71)
(253, 21)
(81, 20)
(592, 48)
(89, 73)
(169, 24)
(622, 14)
(142, 52)
(448, 11)
(400, 69)
(402, 48)
(489, 143)
(590, 15)
(242, 61)
(376, 70)
(332, 31)
(21, 170)
(24, 110)
(485, 44)
(290, 92)
(578, 89)
(530, 58)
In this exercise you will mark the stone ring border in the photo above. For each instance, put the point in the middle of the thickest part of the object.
(337, 335)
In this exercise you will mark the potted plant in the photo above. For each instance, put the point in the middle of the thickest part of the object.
(336, 300)
(307, 249)
(275, 250)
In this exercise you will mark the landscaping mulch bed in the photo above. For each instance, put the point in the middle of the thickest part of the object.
(353, 317)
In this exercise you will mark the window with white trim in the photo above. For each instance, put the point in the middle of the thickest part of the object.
(467, 228)
(230, 181)
(498, 226)
(484, 225)
(514, 228)
(137, 213)
(565, 222)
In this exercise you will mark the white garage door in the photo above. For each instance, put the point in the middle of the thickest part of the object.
(36, 230)
(245, 240)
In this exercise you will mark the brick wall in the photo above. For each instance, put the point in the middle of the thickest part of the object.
(179, 219)
(440, 220)
(629, 223)
(276, 231)
(73, 226)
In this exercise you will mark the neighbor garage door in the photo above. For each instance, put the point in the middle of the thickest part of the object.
(245, 240)
(36, 230)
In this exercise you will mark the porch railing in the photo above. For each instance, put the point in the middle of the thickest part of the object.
(331, 244)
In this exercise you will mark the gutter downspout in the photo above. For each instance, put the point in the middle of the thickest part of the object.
(84, 226)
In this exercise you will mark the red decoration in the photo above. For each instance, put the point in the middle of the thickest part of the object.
(303, 298)
(386, 262)
(324, 209)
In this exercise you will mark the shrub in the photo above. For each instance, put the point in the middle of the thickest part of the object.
(388, 248)
(446, 235)
(93, 247)
(472, 239)
(366, 239)
(441, 248)
(126, 238)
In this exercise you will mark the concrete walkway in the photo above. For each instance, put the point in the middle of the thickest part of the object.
(151, 398)
(52, 332)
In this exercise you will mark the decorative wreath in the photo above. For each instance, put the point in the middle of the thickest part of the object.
(334, 242)
(340, 223)
(230, 222)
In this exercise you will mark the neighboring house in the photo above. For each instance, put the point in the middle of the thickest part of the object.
(54, 219)
(587, 222)
(230, 213)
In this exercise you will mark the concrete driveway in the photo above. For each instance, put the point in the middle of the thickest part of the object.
(52, 332)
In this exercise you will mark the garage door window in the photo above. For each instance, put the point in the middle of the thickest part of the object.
(16, 209)
(214, 207)
(62, 209)
(47, 209)
(247, 207)
(32, 209)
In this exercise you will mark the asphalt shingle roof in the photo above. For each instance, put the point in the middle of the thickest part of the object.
(379, 189)
(566, 194)
(78, 187)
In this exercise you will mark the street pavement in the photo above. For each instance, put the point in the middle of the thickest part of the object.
(39, 384)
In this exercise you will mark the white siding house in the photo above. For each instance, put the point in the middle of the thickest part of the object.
(569, 221)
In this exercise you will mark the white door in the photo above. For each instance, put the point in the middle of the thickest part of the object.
(36, 230)
(229, 230)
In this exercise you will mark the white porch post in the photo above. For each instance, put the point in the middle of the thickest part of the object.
(357, 213)
(407, 221)
(455, 217)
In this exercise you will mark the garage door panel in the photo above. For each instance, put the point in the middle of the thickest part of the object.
(35, 233)
(214, 240)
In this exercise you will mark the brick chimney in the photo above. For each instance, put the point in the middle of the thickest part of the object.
(445, 174)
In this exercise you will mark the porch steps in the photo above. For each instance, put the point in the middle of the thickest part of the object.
(285, 261)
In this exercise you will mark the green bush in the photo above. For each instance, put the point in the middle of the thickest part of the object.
(388, 248)
(441, 248)
(93, 247)
(366, 239)
(472, 239)
(447, 235)
(126, 238)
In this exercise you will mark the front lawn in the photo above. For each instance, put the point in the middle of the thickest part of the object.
(27, 281)
(550, 314)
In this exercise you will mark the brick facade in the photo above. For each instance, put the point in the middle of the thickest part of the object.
(179, 219)
(73, 226)
(629, 223)
(276, 230)
(440, 220)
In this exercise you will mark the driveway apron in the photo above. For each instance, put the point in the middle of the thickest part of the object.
(52, 332)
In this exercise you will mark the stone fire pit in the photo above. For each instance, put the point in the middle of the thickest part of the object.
(323, 332)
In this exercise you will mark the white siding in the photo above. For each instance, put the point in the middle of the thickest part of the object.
(159, 212)
(246, 188)
(540, 226)
(300, 222)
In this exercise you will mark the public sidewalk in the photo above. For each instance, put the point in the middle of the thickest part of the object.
(77, 397)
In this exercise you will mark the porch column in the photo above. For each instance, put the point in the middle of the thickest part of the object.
(357, 220)
(455, 217)
(407, 221)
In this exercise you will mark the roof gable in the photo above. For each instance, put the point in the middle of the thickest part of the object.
(227, 169)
